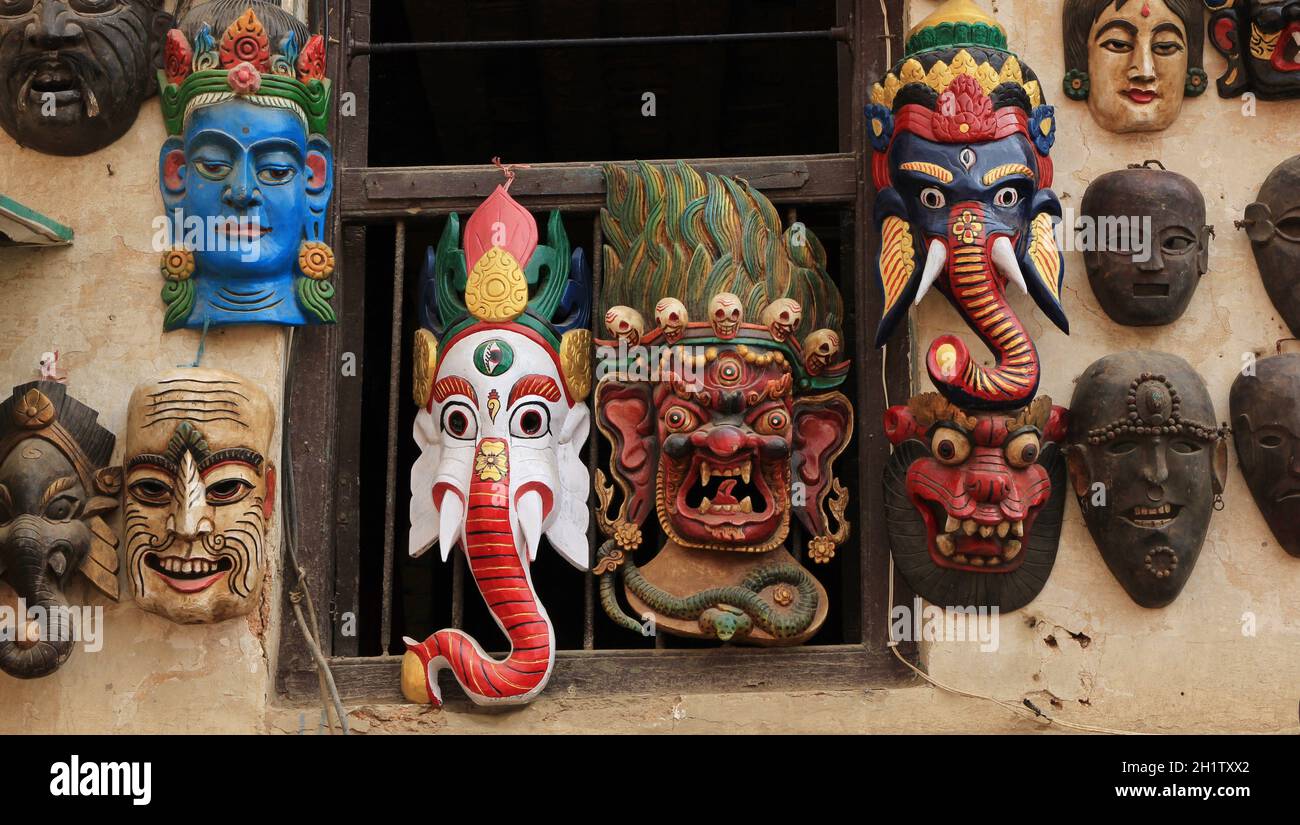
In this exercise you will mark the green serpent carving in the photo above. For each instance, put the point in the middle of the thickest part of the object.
(730, 611)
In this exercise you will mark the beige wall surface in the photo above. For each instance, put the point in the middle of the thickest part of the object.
(97, 302)
(1081, 651)
(1187, 666)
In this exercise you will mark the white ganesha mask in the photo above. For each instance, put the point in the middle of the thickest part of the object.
(500, 414)
(503, 370)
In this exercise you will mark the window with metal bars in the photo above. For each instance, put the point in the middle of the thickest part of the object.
(428, 91)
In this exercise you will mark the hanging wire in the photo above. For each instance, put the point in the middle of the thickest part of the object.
(508, 169)
(300, 594)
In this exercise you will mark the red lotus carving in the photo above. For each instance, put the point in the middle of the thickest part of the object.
(178, 59)
(311, 63)
(965, 113)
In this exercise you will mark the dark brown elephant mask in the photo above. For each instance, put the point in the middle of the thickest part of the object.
(1148, 464)
(1273, 224)
(1266, 429)
(1145, 276)
(54, 487)
(73, 73)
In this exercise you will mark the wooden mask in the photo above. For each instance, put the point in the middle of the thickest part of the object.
(716, 407)
(55, 486)
(1148, 464)
(961, 138)
(73, 73)
(1145, 276)
(1134, 60)
(1259, 39)
(200, 492)
(503, 372)
(975, 501)
(1273, 224)
(247, 172)
(1266, 429)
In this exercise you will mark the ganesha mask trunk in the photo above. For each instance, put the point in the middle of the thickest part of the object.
(497, 564)
(34, 565)
(977, 267)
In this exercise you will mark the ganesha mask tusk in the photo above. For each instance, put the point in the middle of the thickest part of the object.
(1004, 260)
(451, 523)
(528, 511)
(934, 266)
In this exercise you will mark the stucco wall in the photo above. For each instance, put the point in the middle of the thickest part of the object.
(1111, 664)
(97, 302)
(1187, 666)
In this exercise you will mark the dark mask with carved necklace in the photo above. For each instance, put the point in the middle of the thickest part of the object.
(1148, 463)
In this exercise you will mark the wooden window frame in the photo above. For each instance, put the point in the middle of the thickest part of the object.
(326, 491)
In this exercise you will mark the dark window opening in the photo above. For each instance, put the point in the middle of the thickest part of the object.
(783, 112)
(586, 104)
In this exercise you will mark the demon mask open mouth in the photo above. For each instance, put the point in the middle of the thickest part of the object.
(734, 417)
(1261, 41)
(973, 501)
(724, 481)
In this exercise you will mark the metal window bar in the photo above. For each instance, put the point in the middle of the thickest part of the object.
(373, 196)
(593, 447)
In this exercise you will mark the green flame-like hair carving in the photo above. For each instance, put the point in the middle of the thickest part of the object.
(672, 233)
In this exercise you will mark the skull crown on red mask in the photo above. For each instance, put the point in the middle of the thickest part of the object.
(719, 411)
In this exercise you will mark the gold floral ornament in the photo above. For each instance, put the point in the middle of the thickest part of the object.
(497, 289)
(821, 549)
(967, 228)
(34, 411)
(426, 366)
(627, 535)
(491, 463)
(177, 264)
(783, 594)
(575, 360)
(316, 260)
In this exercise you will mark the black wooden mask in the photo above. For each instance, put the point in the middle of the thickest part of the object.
(1273, 224)
(73, 73)
(1266, 429)
(54, 489)
(1148, 463)
(1150, 279)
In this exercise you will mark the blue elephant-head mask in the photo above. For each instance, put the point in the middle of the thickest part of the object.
(246, 174)
(960, 137)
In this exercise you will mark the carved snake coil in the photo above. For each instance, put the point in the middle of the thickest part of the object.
(745, 597)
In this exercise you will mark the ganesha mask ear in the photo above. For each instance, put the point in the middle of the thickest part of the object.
(823, 425)
(424, 511)
(568, 531)
(1041, 262)
(625, 415)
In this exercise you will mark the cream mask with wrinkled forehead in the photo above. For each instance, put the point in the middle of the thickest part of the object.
(199, 493)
